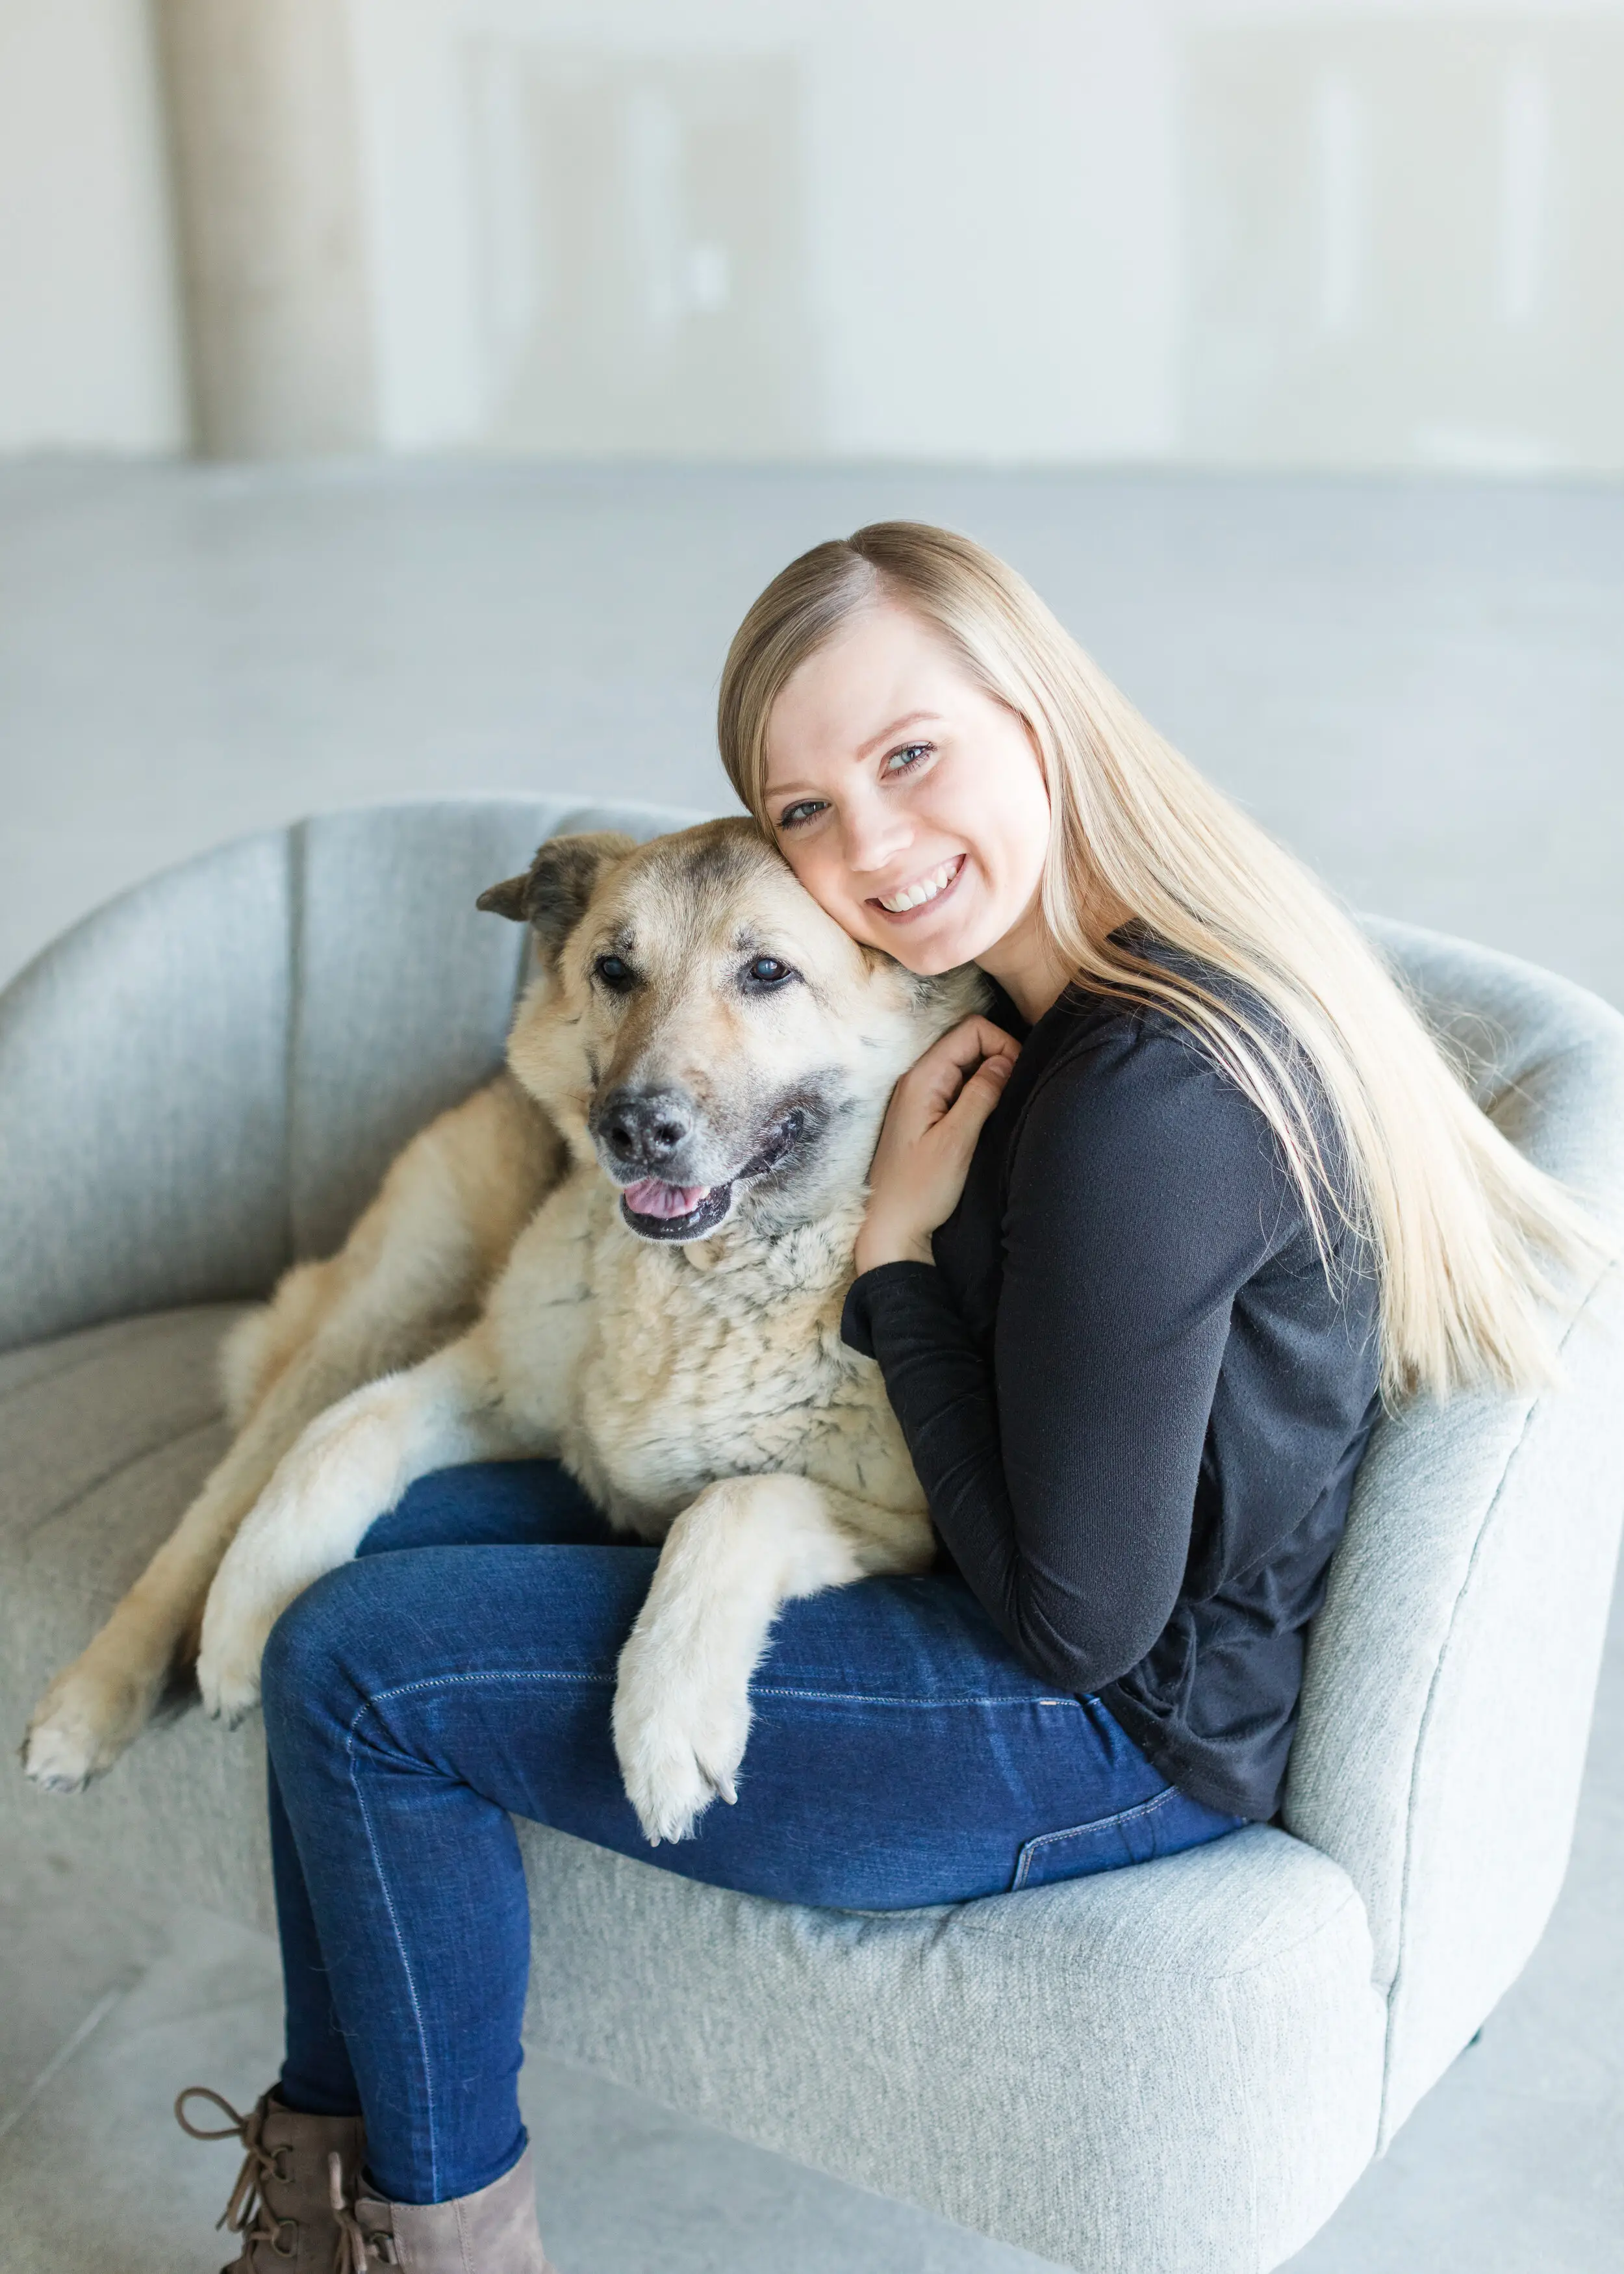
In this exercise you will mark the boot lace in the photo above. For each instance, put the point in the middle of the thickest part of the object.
(247, 2198)
(356, 2249)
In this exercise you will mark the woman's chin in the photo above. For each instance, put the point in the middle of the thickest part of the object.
(928, 954)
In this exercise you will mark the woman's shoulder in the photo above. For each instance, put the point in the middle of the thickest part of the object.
(1124, 1094)
(1137, 1068)
(1092, 1045)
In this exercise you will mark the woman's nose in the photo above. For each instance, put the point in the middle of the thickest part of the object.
(873, 836)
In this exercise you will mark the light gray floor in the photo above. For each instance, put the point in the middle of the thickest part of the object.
(1420, 687)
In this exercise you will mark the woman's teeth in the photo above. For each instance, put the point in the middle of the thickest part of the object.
(926, 888)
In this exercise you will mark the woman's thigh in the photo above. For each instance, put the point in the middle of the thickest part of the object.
(900, 1752)
(494, 1504)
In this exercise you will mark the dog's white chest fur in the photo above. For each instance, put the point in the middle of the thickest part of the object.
(661, 1368)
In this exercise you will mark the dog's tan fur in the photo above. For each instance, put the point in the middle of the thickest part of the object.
(494, 1303)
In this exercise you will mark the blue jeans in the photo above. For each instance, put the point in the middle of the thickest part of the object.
(463, 1668)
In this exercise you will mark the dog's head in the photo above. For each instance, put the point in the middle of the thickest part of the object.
(702, 1026)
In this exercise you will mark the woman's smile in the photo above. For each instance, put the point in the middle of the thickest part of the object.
(909, 900)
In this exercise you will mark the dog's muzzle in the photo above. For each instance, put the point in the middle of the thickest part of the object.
(660, 1131)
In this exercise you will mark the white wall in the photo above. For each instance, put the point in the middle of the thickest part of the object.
(1330, 233)
(1402, 238)
(90, 352)
(949, 229)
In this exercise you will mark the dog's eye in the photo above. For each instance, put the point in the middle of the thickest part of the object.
(616, 973)
(767, 971)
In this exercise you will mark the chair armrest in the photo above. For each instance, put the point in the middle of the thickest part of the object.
(1452, 1670)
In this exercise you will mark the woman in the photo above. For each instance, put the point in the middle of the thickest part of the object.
(1144, 1252)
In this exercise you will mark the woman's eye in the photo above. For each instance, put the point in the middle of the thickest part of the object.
(616, 973)
(794, 816)
(904, 761)
(767, 971)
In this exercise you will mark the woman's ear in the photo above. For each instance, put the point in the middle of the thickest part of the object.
(555, 891)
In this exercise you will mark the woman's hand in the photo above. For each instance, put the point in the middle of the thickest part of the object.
(934, 1117)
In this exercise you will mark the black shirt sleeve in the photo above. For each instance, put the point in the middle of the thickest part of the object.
(1060, 1469)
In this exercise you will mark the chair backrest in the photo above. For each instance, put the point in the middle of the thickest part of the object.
(208, 1076)
(1452, 1670)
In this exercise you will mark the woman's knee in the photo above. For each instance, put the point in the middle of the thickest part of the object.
(305, 1669)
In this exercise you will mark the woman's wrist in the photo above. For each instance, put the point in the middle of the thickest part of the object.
(878, 1244)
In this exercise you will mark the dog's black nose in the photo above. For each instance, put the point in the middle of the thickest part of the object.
(644, 1128)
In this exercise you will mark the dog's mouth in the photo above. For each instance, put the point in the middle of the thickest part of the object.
(654, 1210)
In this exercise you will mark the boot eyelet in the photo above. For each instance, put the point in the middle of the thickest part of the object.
(286, 2226)
(277, 2170)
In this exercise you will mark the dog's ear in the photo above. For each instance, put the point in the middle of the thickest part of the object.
(551, 895)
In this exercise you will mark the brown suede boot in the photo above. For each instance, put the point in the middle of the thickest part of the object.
(491, 2231)
(282, 2203)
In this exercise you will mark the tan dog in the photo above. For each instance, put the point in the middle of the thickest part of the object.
(644, 1279)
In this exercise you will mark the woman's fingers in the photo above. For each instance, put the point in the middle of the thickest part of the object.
(938, 1077)
(975, 1101)
(935, 1115)
(970, 1041)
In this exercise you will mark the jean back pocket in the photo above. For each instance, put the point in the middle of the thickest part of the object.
(1169, 1820)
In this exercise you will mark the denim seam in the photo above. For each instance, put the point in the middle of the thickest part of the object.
(1100, 1824)
(881, 1698)
(366, 1707)
(497, 1673)
(757, 1690)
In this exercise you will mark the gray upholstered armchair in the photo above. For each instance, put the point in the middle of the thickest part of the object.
(1181, 2067)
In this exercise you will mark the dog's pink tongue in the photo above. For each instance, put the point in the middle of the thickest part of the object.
(652, 1198)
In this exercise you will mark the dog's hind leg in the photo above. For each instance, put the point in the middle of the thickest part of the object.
(408, 1278)
(265, 1341)
(731, 1561)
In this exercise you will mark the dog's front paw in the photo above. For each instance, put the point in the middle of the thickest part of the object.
(83, 1723)
(236, 1624)
(679, 1736)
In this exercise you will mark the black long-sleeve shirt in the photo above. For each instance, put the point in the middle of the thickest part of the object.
(1134, 1394)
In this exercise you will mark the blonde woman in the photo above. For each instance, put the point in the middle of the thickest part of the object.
(1145, 1249)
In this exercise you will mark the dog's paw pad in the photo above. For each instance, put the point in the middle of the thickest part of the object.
(67, 1747)
(82, 1724)
(678, 1756)
(57, 1759)
(229, 1698)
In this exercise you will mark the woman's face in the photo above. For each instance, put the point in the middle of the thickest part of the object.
(908, 801)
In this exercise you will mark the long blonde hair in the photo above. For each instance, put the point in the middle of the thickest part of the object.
(1457, 1222)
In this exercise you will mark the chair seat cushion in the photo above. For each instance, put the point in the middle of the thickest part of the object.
(104, 1437)
(1170, 2069)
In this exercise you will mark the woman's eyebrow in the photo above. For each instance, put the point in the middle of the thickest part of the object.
(909, 719)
